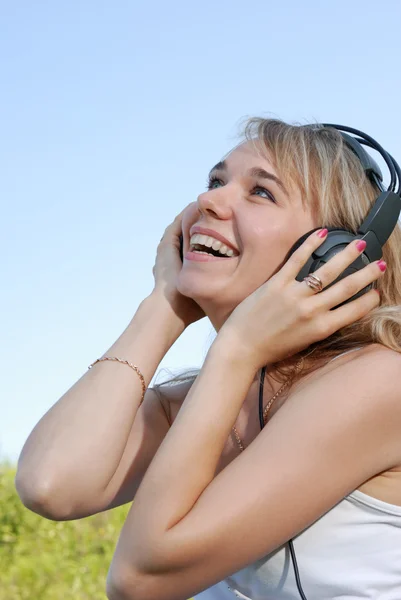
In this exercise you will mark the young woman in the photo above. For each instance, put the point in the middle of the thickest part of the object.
(217, 498)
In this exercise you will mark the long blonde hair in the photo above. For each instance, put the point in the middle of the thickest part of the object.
(332, 182)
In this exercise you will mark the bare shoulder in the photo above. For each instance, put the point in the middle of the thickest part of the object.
(361, 383)
(360, 390)
(378, 368)
(372, 351)
(377, 359)
(375, 368)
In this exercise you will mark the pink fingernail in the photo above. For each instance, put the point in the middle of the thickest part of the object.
(361, 245)
(382, 265)
(323, 232)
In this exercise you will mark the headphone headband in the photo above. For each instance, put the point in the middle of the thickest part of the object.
(370, 166)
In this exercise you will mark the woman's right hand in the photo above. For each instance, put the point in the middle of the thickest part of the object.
(166, 269)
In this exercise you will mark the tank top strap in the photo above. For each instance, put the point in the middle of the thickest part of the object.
(346, 352)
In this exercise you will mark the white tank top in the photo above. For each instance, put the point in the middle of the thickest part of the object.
(352, 552)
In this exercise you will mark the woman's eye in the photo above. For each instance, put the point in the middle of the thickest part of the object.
(266, 193)
(211, 183)
(214, 182)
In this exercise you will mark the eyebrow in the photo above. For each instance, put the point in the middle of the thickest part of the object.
(253, 172)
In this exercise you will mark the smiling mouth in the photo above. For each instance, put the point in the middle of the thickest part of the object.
(199, 249)
(204, 244)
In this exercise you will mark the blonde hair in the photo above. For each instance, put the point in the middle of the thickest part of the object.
(333, 184)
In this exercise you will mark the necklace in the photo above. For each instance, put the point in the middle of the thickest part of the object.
(267, 407)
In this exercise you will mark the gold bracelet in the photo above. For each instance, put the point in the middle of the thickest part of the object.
(125, 362)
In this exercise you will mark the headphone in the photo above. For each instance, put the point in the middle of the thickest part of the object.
(378, 224)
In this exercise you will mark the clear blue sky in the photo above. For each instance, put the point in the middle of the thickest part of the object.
(112, 113)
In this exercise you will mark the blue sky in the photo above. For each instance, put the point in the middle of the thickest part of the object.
(112, 113)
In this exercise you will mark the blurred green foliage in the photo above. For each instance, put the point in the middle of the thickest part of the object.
(53, 560)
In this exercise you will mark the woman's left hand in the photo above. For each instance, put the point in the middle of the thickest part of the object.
(284, 316)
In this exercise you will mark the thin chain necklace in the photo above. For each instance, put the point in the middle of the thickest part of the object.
(268, 406)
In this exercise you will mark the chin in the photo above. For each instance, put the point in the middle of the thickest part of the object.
(194, 288)
(209, 294)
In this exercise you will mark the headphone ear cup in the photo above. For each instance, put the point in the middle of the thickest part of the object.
(334, 242)
(301, 240)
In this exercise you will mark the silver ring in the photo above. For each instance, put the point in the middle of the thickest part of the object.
(314, 282)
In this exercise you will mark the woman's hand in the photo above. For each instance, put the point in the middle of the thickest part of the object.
(284, 316)
(165, 271)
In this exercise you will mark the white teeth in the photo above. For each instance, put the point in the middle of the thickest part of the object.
(210, 242)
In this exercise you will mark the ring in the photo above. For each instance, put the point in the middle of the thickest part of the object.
(314, 282)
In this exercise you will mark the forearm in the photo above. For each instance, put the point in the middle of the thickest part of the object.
(76, 447)
(186, 461)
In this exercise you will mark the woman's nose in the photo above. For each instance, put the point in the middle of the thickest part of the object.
(217, 202)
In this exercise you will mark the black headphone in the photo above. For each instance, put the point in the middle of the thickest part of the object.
(378, 224)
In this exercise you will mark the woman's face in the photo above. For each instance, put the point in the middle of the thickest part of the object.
(248, 205)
